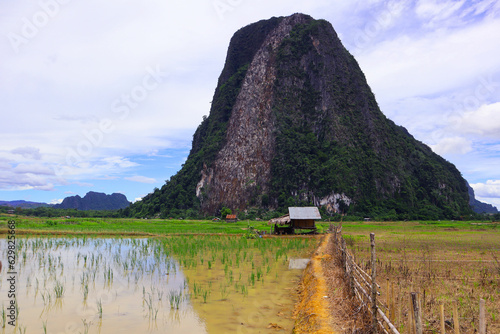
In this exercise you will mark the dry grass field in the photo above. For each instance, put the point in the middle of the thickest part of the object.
(443, 262)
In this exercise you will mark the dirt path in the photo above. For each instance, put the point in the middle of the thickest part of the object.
(324, 306)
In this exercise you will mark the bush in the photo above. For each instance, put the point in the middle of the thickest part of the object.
(51, 223)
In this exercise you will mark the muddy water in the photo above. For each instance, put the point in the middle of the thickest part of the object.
(266, 307)
(92, 285)
(96, 286)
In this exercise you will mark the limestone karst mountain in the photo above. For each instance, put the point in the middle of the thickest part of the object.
(294, 122)
(94, 201)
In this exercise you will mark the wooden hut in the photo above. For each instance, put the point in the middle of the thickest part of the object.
(304, 218)
(301, 218)
(231, 218)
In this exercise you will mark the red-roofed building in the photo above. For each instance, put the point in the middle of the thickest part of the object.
(231, 218)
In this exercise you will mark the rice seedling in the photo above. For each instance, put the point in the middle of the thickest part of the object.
(149, 302)
(86, 326)
(44, 326)
(175, 298)
(205, 295)
(223, 292)
(108, 275)
(251, 279)
(4, 317)
(59, 289)
(85, 292)
(259, 274)
(244, 290)
(99, 308)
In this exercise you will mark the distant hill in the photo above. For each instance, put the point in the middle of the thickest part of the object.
(24, 204)
(477, 206)
(94, 201)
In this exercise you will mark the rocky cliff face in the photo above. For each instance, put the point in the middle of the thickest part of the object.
(242, 168)
(293, 122)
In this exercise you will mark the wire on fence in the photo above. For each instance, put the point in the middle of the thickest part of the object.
(362, 285)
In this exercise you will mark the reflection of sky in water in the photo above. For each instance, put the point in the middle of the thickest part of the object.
(132, 279)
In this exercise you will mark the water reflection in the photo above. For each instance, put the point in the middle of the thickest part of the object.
(84, 285)
(202, 284)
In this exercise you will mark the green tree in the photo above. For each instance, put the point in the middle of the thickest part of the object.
(225, 211)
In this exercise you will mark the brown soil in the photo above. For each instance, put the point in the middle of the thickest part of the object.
(324, 305)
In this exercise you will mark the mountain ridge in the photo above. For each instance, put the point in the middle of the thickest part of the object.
(478, 206)
(24, 204)
(94, 201)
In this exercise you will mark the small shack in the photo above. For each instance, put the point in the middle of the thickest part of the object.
(298, 218)
(231, 218)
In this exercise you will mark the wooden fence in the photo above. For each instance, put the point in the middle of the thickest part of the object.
(364, 286)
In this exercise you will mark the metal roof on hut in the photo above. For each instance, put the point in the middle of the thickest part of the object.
(297, 213)
(304, 213)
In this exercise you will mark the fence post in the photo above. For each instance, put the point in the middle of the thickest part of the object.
(482, 318)
(456, 324)
(374, 285)
(441, 316)
(344, 255)
(411, 315)
(351, 278)
(392, 306)
(417, 313)
(334, 232)
(388, 295)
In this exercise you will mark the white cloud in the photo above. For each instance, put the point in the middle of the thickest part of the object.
(431, 63)
(490, 189)
(45, 187)
(484, 121)
(28, 152)
(452, 145)
(12, 180)
(488, 192)
(141, 179)
(436, 11)
(33, 168)
(56, 201)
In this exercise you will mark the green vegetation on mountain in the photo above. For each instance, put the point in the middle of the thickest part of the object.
(350, 147)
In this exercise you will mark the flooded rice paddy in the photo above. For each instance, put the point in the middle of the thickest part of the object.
(182, 284)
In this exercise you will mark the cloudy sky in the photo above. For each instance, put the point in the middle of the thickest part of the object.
(105, 95)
